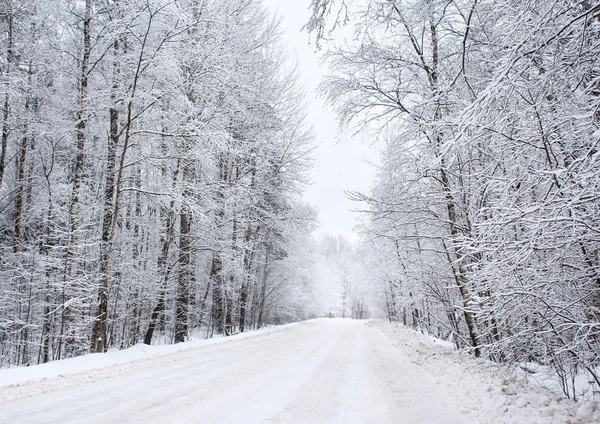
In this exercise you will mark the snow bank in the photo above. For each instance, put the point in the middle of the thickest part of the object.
(487, 392)
(547, 377)
(71, 371)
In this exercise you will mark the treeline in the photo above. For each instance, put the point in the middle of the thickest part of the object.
(485, 217)
(152, 159)
(339, 271)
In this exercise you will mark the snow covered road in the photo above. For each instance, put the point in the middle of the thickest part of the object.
(321, 371)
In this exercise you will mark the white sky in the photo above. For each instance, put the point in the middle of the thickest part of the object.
(341, 161)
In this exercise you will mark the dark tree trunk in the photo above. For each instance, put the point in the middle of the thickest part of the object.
(21, 181)
(263, 291)
(5, 125)
(81, 132)
(184, 277)
(216, 277)
(459, 270)
(186, 270)
(99, 336)
(156, 312)
(248, 259)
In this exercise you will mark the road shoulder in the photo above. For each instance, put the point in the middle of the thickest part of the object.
(484, 391)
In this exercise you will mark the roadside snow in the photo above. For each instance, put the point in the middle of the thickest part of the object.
(484, 391)
(114, 358)
(584, 389)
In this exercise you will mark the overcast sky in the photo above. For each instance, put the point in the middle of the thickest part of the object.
(341, 161)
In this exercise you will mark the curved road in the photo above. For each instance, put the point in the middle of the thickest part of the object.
(321, 371)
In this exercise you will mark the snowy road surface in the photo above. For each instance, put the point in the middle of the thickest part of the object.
(322, 371)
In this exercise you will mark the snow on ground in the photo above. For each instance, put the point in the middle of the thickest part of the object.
(114, 357)
(585, 387)
(484, 391)
(320, 371)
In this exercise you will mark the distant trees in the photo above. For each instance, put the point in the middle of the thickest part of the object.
(152, 158)
(485, 204)
(338, 269)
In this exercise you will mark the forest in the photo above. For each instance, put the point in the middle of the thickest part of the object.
(152, 159)
(154, 152)
(483, 223)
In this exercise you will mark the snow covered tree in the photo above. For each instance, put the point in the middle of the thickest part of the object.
(143, 143)
(488, 115)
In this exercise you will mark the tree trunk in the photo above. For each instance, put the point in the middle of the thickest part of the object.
(216, 277)
(248, 255)
(186, 271)
(45, 250)
(248, 259)
(5, 129)
(163, 269)
(22, 162)
(459, 270)
(218, 312)
(99, 336)
(80, 132)
(232, 278)
(77, 179)
(263, 291)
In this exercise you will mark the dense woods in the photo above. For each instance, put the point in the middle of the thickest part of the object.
(484, 218)
(152, 159)
(153, 155)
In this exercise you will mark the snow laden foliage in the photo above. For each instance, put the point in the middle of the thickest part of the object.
(486, 207)
(152, 159)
